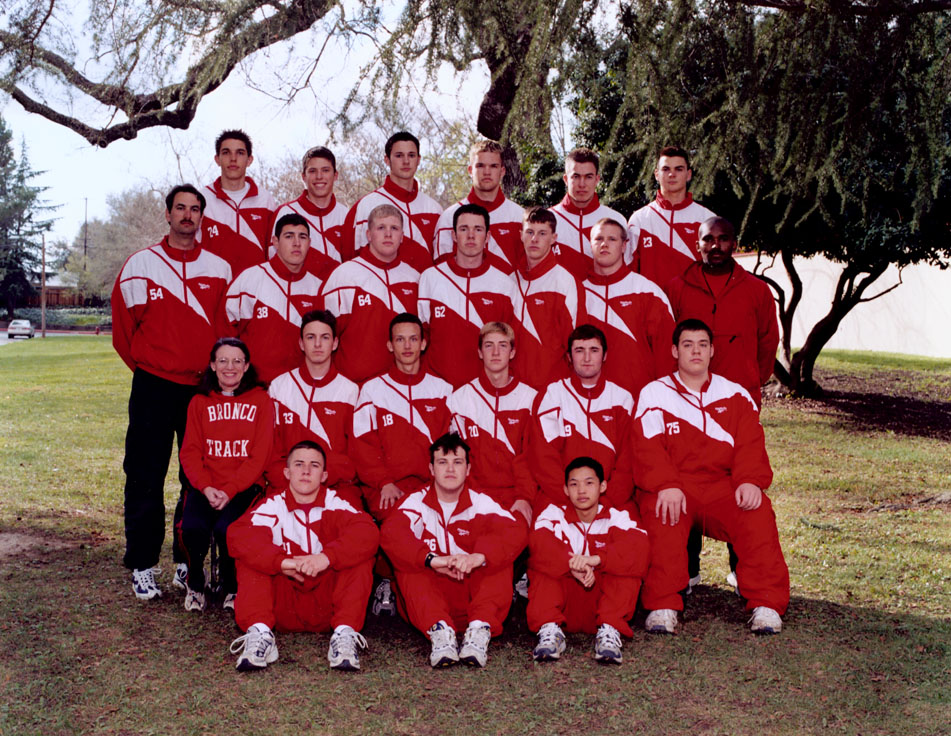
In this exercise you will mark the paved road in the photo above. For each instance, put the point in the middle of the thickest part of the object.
(4, 340)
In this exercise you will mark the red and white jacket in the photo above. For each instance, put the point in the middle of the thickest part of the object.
(572, 421)
(455, 303)
(398, 417)
(550, 300)
(742, 315)
(326, 232)
(505, 229)
(364, 294)
(316, 409)
(240, 233)
(264, 306)
(664, 237)
(279, 528)
(574, 233)
(705, 443)
(420, 213)
(637, 320)
(165, 306)
(477, 525)
(227, 440)
(496, 423)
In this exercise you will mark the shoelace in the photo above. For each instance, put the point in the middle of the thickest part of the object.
(548, 637)
(346, 644)
(442, 636)
(145, 578)
(479, 637)
(611, 636)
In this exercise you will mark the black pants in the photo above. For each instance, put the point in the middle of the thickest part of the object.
(694, 546)
(200, 522)
(157, 412)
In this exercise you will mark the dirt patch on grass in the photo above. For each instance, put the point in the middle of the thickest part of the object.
(15, 544)
(906, 402)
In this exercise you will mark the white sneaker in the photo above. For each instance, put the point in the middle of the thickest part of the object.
(521, 587)
(551, 643)
(383, 602)
(475, 645)
(607, 645)
(343, 653)
(443, 639)
(661, 621)
(194, 600)
(257, 649)
(228, 602)
(180, 578)
(765, 621)
(731, 580)
(144, 585)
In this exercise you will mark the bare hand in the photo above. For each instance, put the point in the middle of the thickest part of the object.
(389, 495)
(671, 503)
(312, 565)
(523, 507)
(442, 566)
(217, 499)
(467, 563)
(290, 567)
(748, 496)
(583, 562)
(585, 576)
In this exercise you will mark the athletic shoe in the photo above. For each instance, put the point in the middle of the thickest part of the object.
(443, 640)
(180, 578)
(383, 599)
(731, 580)
(607, 645)
(343, 653)
(257, 649)
(551, 643)
(144, 585)
(765, 621)
(695, 580)
(475, 645)
(194, 600)
(228, 602)
(661, 621)
(521, 587)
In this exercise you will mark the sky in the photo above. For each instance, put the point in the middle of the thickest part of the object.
(78, 175)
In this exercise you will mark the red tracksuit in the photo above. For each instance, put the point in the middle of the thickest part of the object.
(264, 306)
(574, 233)
(279, 528)
(573, 421)
(505, 229)
(496, 423)
(636, 318)
(477, 525)
(240, 233)
(706, 444)
(742, 315)
(556, 596)
(420, 213)
(550, 299)
(326, 233)
(320, 410)
(664, 237)
(398, 417)
(364, 294)
(455, 303)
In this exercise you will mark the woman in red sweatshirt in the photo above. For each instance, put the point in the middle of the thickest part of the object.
(227, 443)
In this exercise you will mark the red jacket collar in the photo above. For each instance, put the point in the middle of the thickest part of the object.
(681, 388)
(571, 513)
(570, 207)
(405, 379)
(614, 278)
(397, 192)
(283, 272)
(311, 209)
(293, 505)
(591, 392)
(432, 500)
(366, 254)
(504, 390)
(472, 198)
(316, 382)
(470, 272)
(540, 269)
(687, 201)
(177, 254)
(693, 276)
(222, 194)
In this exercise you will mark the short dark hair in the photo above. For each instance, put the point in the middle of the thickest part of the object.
(541, 216)
(611, 221)
(396, 138)
(471, 209)
(318, 152)
(671, 151)
(319, 315)
(448, 443)
(691, 325)
(588, 332)
(187, 189)
(584, 156)
(209, 379)
(585, 462)
(291, 218)
(721, 221)
(238, 135)
(306, 445)
(405, 318)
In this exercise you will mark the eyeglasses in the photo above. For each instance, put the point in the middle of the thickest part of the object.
(225, 362)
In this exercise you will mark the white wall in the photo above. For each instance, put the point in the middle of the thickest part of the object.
(914, 319)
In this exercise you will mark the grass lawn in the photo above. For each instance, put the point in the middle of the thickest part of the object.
(862, 505)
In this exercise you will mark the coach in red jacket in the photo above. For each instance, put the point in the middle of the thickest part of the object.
(700, 462)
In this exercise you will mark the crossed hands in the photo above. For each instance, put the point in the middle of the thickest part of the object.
(582, 568)
(457, 566)
(218, 499)
(305, 566)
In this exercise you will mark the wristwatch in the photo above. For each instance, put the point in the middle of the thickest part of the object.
(429, 560)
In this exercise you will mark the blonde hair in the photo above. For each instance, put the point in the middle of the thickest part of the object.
(384, 210)
(501, 327)
(485, 146)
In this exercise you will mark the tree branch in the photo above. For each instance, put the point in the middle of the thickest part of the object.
(881, 8)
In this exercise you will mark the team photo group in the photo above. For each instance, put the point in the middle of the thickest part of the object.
(399, 409)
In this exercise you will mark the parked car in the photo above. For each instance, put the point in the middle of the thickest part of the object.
(20, 328)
